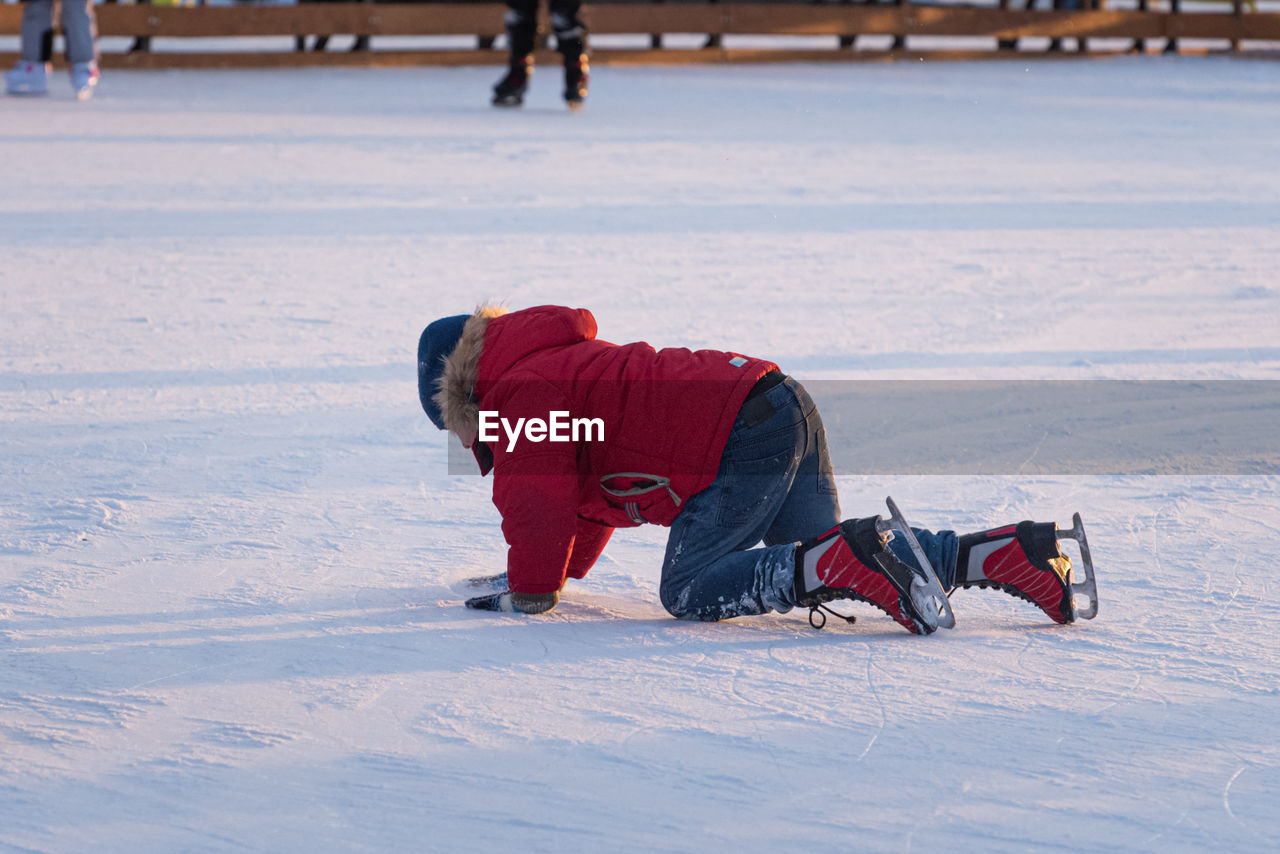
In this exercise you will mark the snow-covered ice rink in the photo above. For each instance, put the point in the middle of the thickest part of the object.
(231, 549)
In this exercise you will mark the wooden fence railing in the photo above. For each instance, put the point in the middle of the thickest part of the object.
(999, 23)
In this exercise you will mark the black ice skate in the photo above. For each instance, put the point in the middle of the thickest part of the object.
(509, 91)
(853, 561)
(1024, 560)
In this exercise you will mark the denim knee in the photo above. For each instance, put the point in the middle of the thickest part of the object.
(675, 598)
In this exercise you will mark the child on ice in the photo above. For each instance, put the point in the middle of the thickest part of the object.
(725, 450)
(30, 76)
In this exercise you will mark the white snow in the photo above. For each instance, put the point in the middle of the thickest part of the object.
(231, 550)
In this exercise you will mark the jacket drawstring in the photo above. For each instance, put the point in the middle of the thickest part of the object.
(651, 481)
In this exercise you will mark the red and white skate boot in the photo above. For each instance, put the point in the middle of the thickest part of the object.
(1024, 560)
(853, 561)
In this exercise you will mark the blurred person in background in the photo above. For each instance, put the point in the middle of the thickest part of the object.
(521, 23)
(362, 41)
(30, 76)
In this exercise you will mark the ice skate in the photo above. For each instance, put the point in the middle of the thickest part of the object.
(28, 78)
(509, 91)
(1024, 560)
(576, 78)
(84, 76)
(853, 561)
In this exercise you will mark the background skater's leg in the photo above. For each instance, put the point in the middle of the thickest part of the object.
(81, 28)
(30, 75)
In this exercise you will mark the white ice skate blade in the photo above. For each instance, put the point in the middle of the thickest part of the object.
(927, 595)
(1084, 588)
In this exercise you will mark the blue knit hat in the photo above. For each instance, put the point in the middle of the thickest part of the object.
(435, 345)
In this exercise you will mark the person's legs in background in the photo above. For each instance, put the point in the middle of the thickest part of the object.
(571, 41)
(30, 75)
(81, 29)
(521, 22)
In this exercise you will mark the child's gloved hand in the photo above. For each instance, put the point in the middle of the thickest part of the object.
(509, 601)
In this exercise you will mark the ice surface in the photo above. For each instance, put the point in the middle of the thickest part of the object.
(231, 554)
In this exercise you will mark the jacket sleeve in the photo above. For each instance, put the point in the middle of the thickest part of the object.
(537, 495)
(535, 488)
(588, 545)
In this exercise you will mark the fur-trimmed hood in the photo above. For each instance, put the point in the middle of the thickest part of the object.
(455, 389)
(492, 346)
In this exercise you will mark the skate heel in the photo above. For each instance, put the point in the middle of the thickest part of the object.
(1084, 586)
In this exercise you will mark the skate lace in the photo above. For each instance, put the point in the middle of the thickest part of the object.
(818, 619)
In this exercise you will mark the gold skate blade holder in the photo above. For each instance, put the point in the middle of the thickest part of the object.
(1083, 585)
(926, 590)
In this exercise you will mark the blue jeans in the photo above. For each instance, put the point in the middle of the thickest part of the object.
(775, 485)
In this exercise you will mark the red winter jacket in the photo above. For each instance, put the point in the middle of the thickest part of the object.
(666, 415)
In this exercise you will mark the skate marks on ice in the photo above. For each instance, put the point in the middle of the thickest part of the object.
(756, 717)
(40, 527)
(1249, 796)
(1023, 359)
(1192, 662)
(775, 705)
(340, 668)
(56, 721)
(261, 647)
(238, 735)
(14, 381)
(34, 227)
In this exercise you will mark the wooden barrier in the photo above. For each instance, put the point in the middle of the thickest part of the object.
(1002, 25)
